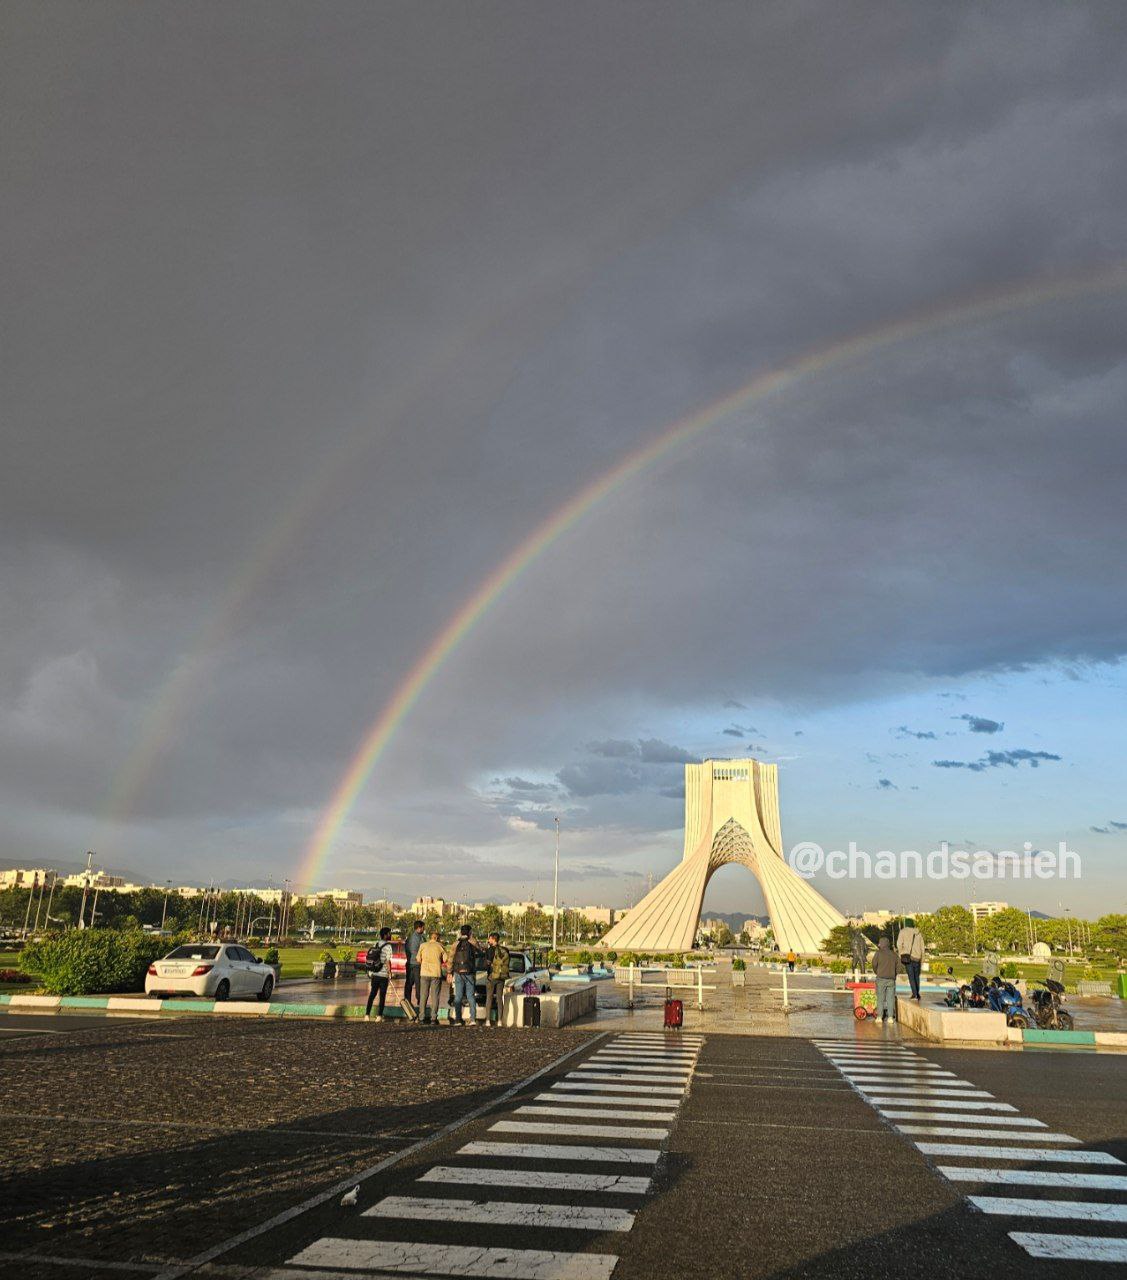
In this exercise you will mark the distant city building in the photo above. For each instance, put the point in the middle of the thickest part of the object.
(522, 908)
(754, 929)
(333, 898)
(984, 910)
(877, 918)
(93, 880)
(426, 904)
(27, 877)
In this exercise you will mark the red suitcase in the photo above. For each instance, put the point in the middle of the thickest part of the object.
(674, 1010)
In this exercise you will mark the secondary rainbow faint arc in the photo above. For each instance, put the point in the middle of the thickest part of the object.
(963, 312)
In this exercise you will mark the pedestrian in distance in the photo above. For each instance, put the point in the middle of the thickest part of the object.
(411, 984)
(792, 960)
(378, 965)
(886, 966)
(910, 949)
(463, 969)
(432, 962)
(496, 975)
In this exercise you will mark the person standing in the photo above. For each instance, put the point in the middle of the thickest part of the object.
(792, 959)
(411, 984)
(910, 949)
(496, 975)
(378, 965)
(885, 967)
(432, 960)
(463, 967)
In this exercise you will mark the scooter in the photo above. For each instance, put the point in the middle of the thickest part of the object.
(1005, 998)
(1046, 999)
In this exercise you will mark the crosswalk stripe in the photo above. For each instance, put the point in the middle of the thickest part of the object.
(567, 1130)
(1032, 1154)
(552, 1151)
(921, 1091)
(939, 1103)
(628, 1077)
(635, 1068)
(612, 1113)
(1010, 1135)
(1035, 1178)
(607, 1099)
(506, 1212)
(952, 1116)
(627, 1184)
(618, 1086)
(1040, 1244)
(1087, 1210)
(901, 1080)
(654, 1059)
(900, 1073)
(456, 1260)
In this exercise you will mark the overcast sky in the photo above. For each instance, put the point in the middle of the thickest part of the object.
(313, 313)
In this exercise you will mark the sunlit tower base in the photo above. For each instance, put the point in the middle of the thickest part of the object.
(731, 815)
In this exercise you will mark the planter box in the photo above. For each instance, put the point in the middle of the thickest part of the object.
(346, 969)
(319, 967)
(739, 978)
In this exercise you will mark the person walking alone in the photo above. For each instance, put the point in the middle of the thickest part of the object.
(886, 966)
(378, 965)
(910, 949)
(463, 967)
(411, 981)
(496, 975)
(432, 960)
(792, 960)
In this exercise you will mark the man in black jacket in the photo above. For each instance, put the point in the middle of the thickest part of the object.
(412, 981)
(496, 975)
(463, 967)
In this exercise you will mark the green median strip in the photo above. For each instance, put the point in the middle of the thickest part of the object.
(1034, 1035)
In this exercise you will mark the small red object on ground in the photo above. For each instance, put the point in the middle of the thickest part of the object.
(864, 999)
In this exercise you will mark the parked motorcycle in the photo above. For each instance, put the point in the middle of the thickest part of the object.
(1003, 997)
(1046, 1000)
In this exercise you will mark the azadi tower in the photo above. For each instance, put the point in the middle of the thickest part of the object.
(731, 815)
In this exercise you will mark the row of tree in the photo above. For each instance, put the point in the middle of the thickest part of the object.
(222, 912)
(954, 931)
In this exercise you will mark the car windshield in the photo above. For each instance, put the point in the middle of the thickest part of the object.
(193, 953)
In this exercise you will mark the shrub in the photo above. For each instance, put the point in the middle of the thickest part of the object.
(612, 956)
(1008, 970)
(839, 966)
(678, 962)
(554, 958)
(739, 964)
(270, 956)
(95, 961)
(585, 957)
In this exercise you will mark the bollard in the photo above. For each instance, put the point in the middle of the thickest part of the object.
(700, 988)
(630, 997)
(786, 1000)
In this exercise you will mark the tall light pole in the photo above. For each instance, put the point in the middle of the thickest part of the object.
(556, 889)
(164, 909)
(85, 889)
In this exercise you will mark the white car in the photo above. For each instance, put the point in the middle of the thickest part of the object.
(218, 970)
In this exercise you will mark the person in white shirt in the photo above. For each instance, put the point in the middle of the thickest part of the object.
(378, 965)
(910, 949)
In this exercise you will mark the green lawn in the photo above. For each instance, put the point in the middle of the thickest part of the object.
(1073, 972)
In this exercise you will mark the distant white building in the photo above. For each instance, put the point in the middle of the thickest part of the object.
(26, 877)
(329, 897)
(984, 910)
(93, 880)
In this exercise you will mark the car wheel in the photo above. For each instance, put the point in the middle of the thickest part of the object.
(223, 990)
(267, 988)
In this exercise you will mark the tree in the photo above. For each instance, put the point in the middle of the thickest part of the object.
(724, 937)
(950, 929)
(837, 941)
(745, 938)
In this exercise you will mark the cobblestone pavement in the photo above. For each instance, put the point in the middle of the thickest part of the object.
(135, 1144)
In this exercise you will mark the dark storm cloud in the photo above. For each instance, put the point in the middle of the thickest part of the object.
(905, 732)
(998, 759)
(979, 724)
(1100, 831)
(734, 733)
(886, 784)
(337, 306)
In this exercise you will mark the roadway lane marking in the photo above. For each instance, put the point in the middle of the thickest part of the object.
(510, 1213)
(948, 1117)
(606, 1100)
(627, 1184)
(667, 1084)
(955, 1104)
(1035, 1178)
(614, 1086)
(924, 1091)
(611, 1113)
(902, 1078)
(1071, 1248)
(630, 1069)
(455, 1260)
(549, 1151)
(567, 1130)
(1032, 1154)
(1010, 1135)
(1086, 1210)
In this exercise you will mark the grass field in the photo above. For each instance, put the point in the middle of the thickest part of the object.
(1073, 972)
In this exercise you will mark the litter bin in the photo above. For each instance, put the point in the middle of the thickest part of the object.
(1122, 977)
(864, 999)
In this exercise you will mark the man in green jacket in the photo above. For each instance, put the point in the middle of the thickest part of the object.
(886, 966)
(496, 975)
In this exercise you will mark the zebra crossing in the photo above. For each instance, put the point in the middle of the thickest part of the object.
(989, 1135)
(576, 1158)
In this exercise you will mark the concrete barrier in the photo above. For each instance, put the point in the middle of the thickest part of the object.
(938, 1022)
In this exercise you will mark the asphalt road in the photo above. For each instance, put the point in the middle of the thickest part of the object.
(638, 1156)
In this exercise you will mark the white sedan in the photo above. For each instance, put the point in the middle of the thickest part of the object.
(215, 969)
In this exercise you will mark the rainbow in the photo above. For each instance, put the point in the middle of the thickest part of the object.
(975, 310)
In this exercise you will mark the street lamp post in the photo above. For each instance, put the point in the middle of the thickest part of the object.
(556, 890)
(164, 909)
(85, 889)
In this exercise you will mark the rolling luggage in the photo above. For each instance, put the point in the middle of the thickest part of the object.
(674, 1011)
(531, 1014)
(409, 1010)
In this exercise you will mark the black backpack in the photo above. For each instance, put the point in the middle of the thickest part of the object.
(373, 961)
(465, 956)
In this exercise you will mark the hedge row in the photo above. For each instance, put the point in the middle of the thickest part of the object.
(93, 961)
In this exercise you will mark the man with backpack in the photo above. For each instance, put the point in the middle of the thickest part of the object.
(463, 967)
(910, 949)
(378, 965)
(496, 975)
